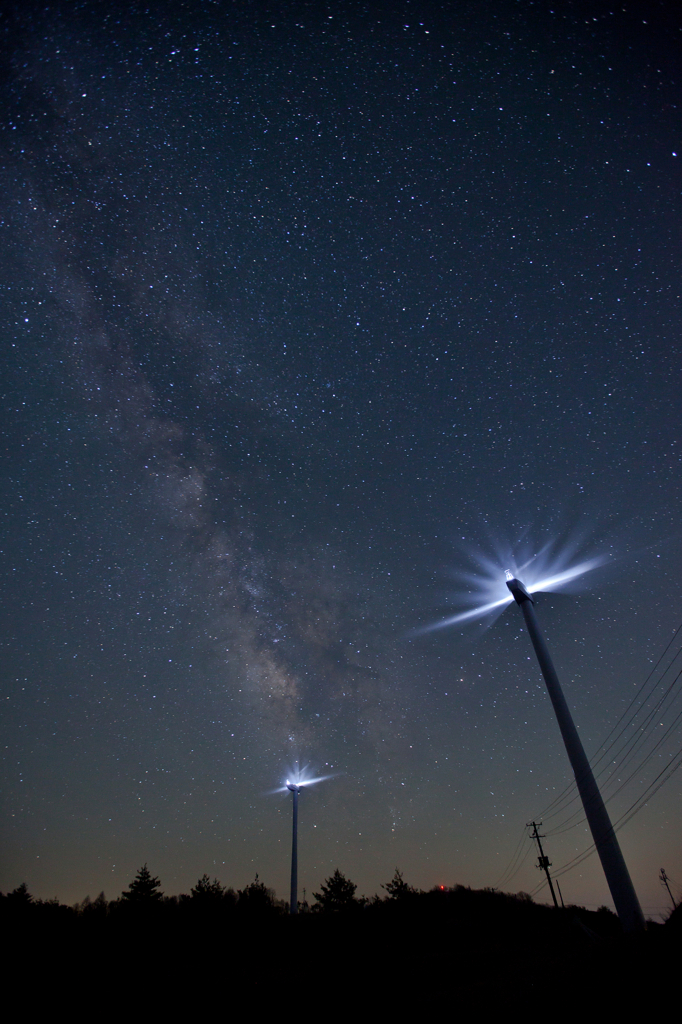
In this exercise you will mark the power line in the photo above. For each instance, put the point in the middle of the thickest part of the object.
(636, 741)
(627, 816)
(559, 829)
(513, 867)
(641, 705)
(570, 793)
(554, 807)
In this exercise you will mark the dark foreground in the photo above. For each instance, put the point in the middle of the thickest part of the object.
(435, 952)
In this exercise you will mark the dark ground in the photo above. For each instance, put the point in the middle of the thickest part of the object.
(430, 951)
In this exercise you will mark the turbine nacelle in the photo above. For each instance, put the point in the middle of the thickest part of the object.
(518, 590)
(300, 781)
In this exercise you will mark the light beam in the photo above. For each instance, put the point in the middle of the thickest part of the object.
(554, 567)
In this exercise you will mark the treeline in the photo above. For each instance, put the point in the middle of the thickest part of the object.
(144, 897)
(337, 899)
(392, 950)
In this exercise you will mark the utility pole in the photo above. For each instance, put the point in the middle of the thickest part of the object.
(543, 862)
(664, 881)
(608, 848)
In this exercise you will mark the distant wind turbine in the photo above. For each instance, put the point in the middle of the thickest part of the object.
(295, 784)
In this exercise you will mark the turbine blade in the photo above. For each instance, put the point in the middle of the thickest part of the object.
(473, 613)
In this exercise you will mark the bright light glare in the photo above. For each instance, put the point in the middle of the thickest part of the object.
(485, 592)
(479, 612)
(301, 779)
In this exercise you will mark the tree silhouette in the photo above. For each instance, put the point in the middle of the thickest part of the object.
(20, 896)
(93, 908)
(256, 897)
(144, 888)
(338, 893)
(207, 890)
(398, 888)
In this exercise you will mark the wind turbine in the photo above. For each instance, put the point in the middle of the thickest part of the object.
(295, 785)
(548, 572)
(608, 847)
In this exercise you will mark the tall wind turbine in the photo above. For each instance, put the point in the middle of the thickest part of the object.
(608, 847)
(295, 786)
(553, 571)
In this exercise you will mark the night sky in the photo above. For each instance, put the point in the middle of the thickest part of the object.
(313, 317)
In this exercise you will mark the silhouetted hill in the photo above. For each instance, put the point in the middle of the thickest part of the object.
(469, 947)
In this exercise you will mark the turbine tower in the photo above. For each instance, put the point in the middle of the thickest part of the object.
(608, 848)
(295, 786)
(294, 789)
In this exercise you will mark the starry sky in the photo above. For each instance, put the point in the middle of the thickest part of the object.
(314, 314)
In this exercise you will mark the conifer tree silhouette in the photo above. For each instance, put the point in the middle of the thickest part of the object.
(398, 888)
(207, 890)
(338, 892)
(144, 888)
